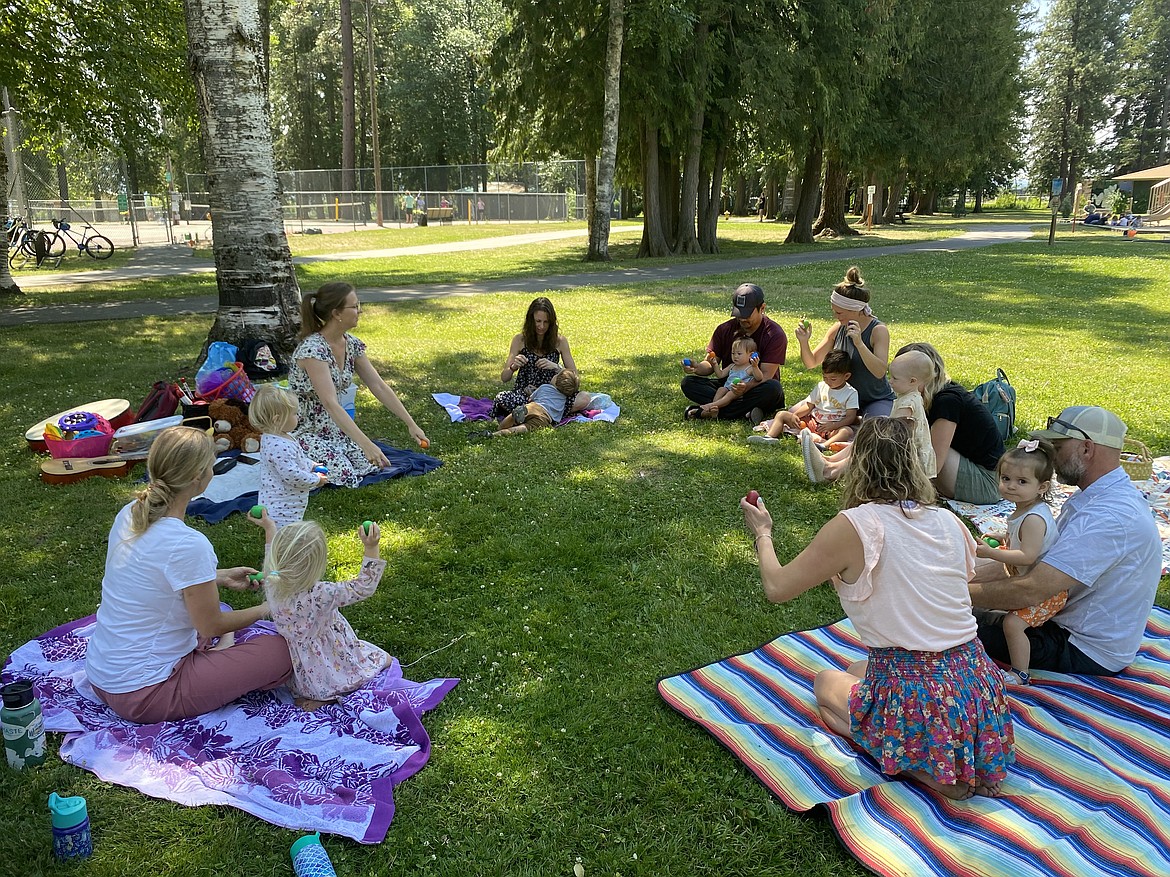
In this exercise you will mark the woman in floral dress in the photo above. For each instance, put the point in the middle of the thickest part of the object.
(536, 355)
(927, 703)
(324, 366)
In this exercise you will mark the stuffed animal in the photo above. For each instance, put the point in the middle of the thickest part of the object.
(232, 428)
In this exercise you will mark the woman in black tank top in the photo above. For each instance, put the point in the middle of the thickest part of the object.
(860, 334)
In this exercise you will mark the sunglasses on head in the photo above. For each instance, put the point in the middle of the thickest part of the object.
(1065, 427)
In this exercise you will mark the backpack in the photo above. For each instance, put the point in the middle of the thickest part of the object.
(261, 360)
(1000, 398)
(161, 401)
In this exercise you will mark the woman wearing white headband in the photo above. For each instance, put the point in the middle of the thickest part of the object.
(860, 334)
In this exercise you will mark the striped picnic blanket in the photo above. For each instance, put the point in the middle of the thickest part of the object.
(1089, 793)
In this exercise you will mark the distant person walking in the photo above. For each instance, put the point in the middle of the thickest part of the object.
(408, 206)
(762, 205)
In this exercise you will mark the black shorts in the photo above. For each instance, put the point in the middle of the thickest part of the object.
(1051, 649)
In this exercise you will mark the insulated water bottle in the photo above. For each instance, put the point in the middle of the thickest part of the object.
(24, 729)
(310, 859)
(71, 837)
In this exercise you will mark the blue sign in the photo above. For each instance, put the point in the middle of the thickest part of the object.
(1057, 185)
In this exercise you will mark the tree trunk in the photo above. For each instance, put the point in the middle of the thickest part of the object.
(258, 293)
(590, 196)
(601, 206)
(833, 204)
(7, 284)
(978, 208)
(713, 206)
(686, 241)
(924, 206)
(653, 240)
(895, 196)
(876, 207)
(668, 183)
(806, 204)
(348, 111)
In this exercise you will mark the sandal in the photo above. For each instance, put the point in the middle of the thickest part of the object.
(693, 412)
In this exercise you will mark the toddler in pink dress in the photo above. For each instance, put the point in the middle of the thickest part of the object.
(328, 659)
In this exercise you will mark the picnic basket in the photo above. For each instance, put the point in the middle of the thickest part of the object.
(1136, 460)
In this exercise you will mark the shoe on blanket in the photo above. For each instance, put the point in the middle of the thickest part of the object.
(755, 415)
(1016, 677)
(814, 461)
(762, 440)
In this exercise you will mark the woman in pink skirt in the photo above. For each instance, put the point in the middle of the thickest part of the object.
(928, 703)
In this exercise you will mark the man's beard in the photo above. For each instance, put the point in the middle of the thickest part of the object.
(1070, 471)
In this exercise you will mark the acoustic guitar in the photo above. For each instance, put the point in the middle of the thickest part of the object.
(66, 470)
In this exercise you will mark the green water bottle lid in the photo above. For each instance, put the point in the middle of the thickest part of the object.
(301, 843)
(67, 812)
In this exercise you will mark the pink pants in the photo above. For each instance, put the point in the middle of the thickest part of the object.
(205, 680)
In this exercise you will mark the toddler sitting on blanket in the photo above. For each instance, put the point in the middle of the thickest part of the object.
(286, 472)
(327, 657)
(551, 403)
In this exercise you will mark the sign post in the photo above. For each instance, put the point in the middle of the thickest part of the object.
(1057, 185)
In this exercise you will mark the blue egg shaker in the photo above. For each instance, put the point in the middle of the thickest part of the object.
(71, 837)
(310, 859)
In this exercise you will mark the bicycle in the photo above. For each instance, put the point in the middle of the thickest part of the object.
(26, 244)
(95, 245)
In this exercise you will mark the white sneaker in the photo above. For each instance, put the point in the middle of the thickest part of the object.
(762, 440)
(814, 461)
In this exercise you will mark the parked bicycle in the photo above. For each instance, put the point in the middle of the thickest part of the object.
(91, 242)
(26, 244)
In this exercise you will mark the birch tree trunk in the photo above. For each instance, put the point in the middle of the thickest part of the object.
(601, 206)
(896, 190)
(348, 110)
(258, 292)
(7, 284)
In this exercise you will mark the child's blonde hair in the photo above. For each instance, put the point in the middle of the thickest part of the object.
(296, 559)
(920, 367)
(177, 458)
(566, 382)
(272, 407)
(744, 345)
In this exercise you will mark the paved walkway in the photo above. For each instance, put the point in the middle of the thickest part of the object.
(650, 271)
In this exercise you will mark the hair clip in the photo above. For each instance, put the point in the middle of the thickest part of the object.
(1029, 446)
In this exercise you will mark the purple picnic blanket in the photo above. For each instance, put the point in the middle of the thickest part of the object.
(468, 408)
(332, 770)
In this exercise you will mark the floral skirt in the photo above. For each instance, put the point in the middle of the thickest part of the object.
(943, 713)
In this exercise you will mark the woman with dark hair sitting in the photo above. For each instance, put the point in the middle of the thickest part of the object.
(537, 353)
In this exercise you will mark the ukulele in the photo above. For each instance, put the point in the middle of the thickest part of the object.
(67, 470)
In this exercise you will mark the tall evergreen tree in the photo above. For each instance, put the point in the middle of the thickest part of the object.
(1142, 123)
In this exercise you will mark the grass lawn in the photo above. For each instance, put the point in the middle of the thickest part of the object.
(738, 239)
(580, 565)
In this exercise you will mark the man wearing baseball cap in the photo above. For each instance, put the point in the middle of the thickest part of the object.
(755, 399)
(1107, 555)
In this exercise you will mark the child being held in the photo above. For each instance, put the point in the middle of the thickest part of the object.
(910, 377)
(1025, 477)
(327, 657)
(743, 369)
(830, 411)
(286, 472)
(551, 403)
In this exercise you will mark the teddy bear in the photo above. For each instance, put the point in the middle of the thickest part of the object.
(229, 418)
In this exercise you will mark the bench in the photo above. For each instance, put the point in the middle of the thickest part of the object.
(900, 215)
(445, 215)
